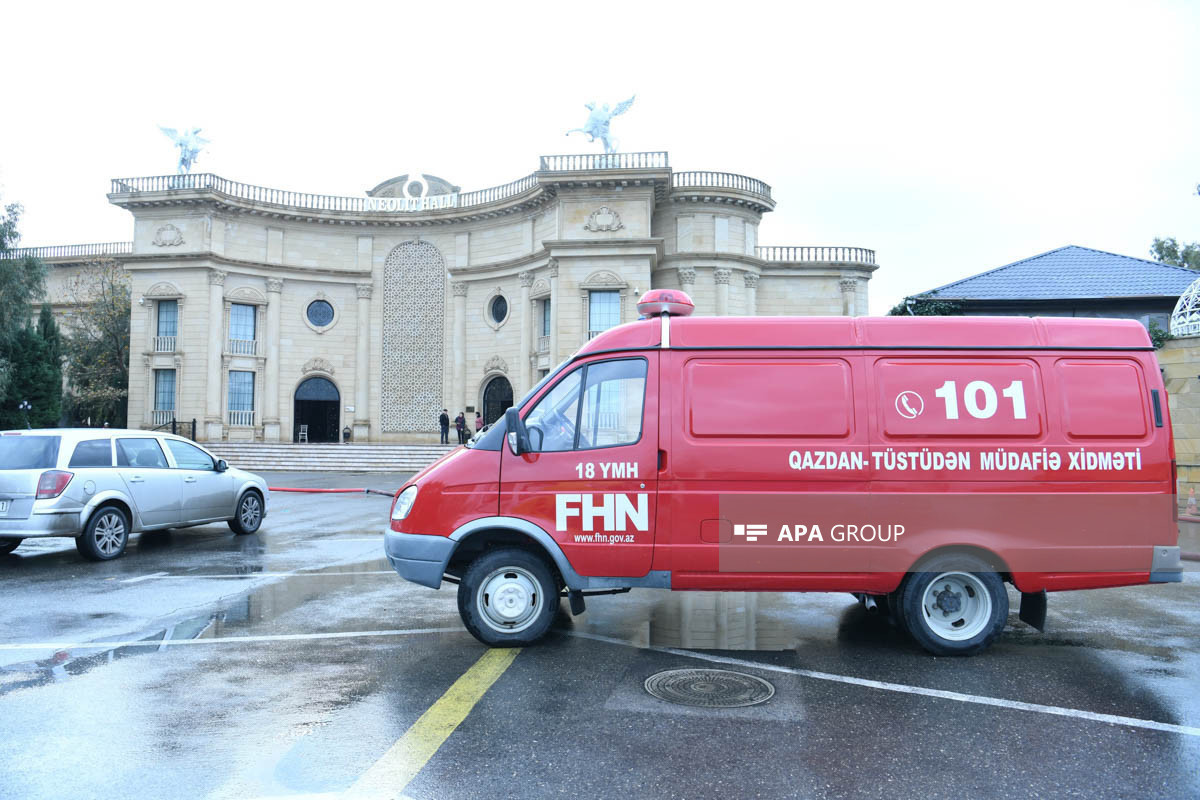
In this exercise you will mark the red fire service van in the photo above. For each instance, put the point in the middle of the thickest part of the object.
(919, 463)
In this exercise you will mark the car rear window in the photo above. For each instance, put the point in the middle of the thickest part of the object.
(29, 452)
(92, 453)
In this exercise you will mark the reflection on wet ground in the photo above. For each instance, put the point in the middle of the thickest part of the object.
(235, 618)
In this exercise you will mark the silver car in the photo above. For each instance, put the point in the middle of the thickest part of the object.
(100, 485)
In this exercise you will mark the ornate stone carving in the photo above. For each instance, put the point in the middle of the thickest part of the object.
(414, 282)
(217, 277)
(553, 265)
(168, 236)
(603, 219)
(848, 285)
(163, 291)
(364, 290)
(722, 275)
(687, 276)
(317, 365)
(178, 360)
(526, 279)
(275, 285)
(604, 279)
(460, 288)
(751, 279)
(495, 364)
(246, 294)
(541, 288)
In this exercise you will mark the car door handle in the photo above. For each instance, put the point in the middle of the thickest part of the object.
(136, 479)
(190, 479)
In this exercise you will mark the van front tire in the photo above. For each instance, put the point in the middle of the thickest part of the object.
(954, 606)
(508, 598)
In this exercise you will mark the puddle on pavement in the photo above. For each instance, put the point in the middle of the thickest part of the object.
(264, 603)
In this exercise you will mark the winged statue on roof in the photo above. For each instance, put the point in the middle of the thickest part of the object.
(597, 125)
(189, 143)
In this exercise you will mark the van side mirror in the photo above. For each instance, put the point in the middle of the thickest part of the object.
(222, 465)
(518, 437)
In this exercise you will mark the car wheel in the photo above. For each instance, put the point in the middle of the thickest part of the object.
(249, 514)
(106, 535)
(8, 545)
(954, 605)
(508, 598)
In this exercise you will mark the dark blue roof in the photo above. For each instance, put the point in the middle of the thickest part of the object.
(1072, 273)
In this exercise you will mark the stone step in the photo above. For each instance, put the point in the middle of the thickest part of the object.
(288, 457)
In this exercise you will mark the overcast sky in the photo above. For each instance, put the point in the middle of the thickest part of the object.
(949, 137)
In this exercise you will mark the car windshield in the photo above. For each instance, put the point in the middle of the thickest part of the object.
(28, 452)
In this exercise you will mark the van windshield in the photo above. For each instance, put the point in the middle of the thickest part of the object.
(29, 452)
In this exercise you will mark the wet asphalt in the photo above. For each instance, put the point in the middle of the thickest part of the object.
(287, 663)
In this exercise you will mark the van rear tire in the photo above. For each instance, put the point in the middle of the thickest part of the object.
(508, 598)
(955, 605)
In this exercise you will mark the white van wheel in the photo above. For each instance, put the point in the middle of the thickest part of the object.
(955, 605)
(508, 597)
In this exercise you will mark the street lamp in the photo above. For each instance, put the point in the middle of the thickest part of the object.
(25, 408)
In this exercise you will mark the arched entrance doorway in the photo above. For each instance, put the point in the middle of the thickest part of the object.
(316, 405)
(497, 398)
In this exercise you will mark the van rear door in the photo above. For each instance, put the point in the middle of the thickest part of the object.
(591, 481)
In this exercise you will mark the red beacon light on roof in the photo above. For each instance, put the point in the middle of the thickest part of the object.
(671, 302)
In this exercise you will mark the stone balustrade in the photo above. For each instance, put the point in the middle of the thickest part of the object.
(854, 255)
(601, 161)
(64, 251)
(720, 180)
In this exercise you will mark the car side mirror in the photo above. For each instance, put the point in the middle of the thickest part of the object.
(222, 465)
(518, 438)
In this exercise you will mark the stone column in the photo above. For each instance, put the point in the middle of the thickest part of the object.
(271, 425)
(362, 370)
(687, 281)
(216, 344)
(554, 305)
(459, 389)
(721, 277)
(751, 279)
(526, 334)
(848, 287)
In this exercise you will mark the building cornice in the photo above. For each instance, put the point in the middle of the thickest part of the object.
(209, 259)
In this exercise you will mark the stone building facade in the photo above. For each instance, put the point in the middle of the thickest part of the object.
(257, 311)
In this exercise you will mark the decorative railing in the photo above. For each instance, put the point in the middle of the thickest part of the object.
(72, 250)
(244, 419)
(593, 161)
(858, 255)
(543, 344)
(162, 416)
(484, 196)
(164, 344)
(242, 347)
(720, 180)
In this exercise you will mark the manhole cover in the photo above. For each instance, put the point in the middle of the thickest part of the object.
(709, 688)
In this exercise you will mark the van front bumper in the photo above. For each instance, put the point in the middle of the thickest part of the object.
(418, 557)
(1166, 565)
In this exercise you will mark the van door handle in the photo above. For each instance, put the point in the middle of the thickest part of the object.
(136, 479)
(190, 479)
(662, 460)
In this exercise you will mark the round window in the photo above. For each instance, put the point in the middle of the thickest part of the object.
(499, 309)
(320, 313)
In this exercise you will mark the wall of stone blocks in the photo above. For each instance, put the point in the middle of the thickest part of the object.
(1180, 362)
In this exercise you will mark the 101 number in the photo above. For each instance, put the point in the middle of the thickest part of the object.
(980, 400)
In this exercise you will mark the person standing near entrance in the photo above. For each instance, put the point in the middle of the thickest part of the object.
(460, 423)
(478, 422)
(444, 426)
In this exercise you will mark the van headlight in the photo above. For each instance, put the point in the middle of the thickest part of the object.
(404, 503)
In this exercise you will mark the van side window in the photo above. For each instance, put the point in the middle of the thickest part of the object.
(551, 423)
(612, 393)
(144, 453)
(612, 404)
(92, 453)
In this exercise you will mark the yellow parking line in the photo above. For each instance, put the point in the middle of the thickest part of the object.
(388, 776)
